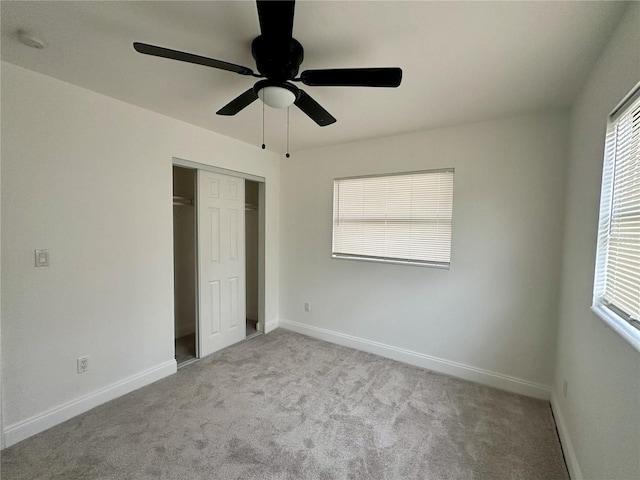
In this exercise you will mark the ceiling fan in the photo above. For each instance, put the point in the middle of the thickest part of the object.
(278, 57)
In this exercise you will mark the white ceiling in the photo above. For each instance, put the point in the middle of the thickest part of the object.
(461, 62)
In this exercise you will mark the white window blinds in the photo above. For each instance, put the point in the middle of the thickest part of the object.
(617, 284)
(400, 218)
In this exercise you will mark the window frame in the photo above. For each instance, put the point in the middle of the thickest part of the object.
(392, 260)
(620, 322)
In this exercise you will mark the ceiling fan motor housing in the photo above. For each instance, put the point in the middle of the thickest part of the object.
(276, 64)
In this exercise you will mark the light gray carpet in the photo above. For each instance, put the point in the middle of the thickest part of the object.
(285, 406)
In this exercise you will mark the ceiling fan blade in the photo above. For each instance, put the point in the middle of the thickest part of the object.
(190, 58)
(276, 24)
(238, 103)
(353, 77)
(314, 110)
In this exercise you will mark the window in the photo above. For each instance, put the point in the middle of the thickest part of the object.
(617, 278)
(399, 218)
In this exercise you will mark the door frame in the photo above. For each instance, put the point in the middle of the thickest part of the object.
(180, 162)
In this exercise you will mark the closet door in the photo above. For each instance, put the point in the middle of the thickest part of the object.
(221, 261)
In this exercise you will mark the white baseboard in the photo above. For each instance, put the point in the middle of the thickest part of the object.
(43, 421)
(271, 325)
(440, 365)
(565, 439)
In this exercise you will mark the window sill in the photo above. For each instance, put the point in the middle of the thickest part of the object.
(390, 261)
(620, 326)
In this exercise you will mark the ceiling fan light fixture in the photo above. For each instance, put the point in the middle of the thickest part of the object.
(276, 97)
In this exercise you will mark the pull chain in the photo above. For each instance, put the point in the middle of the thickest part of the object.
(287, 155)
(263, 145)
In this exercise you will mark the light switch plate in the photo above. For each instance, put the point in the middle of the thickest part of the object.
(42, 258)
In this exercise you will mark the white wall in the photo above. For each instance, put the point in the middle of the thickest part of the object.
(89, 178)
(600, 417)
(495, 310)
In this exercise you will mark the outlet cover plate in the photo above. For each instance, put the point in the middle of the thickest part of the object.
(83, 364)
(42, 258)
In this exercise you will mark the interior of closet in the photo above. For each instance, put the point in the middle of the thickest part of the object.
(184, 268)
(252, 204)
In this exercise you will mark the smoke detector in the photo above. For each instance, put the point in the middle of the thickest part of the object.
(29, 40)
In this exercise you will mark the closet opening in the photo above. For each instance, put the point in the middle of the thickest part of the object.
(219, 258)
(252, 261)
(184, 265)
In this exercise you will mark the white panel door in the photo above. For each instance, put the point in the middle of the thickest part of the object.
(221, 261)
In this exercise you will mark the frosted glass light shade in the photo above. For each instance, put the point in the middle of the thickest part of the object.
(276, 97)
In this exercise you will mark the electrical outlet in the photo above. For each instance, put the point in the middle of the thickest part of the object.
(565, 386)
(83, 364)
(307, 307)
(42, 258)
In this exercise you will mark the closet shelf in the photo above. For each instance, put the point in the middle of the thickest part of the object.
(182, 201)
(250, 206)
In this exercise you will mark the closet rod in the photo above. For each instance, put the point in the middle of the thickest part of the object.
(182, 201)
